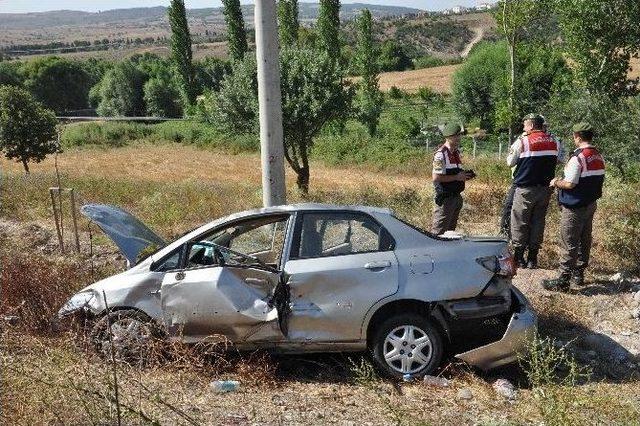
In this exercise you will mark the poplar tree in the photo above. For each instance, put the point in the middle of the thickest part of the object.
(236, 35)
(181, 53)
(288, 22)
(329, 27)
(369, 100)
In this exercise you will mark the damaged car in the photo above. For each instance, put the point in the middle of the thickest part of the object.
(313, 278)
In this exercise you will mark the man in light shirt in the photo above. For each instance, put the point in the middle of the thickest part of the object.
(578, 193)
(535, 156)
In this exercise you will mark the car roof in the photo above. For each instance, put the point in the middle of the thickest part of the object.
(288, 208)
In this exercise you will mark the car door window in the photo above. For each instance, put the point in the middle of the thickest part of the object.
(261, 239)
(335, 234)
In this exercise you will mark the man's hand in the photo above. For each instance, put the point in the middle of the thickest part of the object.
(552, 184)
(463, 176)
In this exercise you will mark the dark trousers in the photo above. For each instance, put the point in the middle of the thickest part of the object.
(528, 216)
(576, 226)
(445, 215)
(505, 220)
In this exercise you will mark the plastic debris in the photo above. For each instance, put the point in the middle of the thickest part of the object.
(224, 386)
(439, 382)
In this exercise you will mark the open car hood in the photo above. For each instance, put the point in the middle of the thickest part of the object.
(130, 235)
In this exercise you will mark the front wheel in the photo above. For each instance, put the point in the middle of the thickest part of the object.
(406, 344)
(128, 334)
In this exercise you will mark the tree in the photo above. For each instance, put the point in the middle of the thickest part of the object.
(481, 84)
(236, 34)
(288, 22)
(312, 95)
(369, 100)
(601, 37)
(162, 97)
(328, 26)
(181, 49)
(9, 74)
(511, 18)
(60, 84)
(121, 91)
(210, 72)
(27, 128)
(616, 121)
(393, 57)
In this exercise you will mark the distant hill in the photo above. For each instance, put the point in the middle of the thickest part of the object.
(40, 20)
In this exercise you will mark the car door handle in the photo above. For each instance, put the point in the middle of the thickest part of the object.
(258, 281)
(377, 265)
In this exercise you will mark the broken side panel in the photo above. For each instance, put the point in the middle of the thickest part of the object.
(214, 301)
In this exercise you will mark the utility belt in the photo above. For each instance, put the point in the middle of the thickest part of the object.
(538, 185)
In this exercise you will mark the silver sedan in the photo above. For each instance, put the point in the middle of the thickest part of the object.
(313, 278)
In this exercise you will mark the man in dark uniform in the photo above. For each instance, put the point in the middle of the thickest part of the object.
(578, 193)
(535, 156)
(448, 180)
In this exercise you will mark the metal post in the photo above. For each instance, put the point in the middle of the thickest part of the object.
(270, 102)
(475, 145)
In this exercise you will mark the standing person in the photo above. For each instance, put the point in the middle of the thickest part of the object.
(578, 193)
(448, 180)
(505, 219)
(535, 156)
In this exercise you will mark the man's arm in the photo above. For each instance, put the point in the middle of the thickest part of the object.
(514, 153)
(571, 175)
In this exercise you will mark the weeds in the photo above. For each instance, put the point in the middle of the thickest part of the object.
(553, 374)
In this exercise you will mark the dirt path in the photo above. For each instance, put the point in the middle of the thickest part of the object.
(478, 34)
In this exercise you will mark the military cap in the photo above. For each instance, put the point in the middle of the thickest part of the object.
(452, 129)
(534, 117)
(583, 126)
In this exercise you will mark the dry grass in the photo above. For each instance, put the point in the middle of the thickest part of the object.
(438, 79)
(174, 187)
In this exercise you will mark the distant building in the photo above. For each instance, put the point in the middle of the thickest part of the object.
(456, 10)
(484, 6)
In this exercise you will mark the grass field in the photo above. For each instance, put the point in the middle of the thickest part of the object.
(46, 379)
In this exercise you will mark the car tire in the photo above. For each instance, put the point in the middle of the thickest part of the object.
(132, 336)
(406, 344)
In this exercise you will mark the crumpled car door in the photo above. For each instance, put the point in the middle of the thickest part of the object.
(239, 303)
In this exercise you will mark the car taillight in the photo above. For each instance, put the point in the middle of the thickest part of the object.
(504, 265)
(507, 265)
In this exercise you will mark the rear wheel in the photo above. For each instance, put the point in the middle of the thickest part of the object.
(406, 344)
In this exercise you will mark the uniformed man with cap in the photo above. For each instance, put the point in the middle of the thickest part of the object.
(578, 193)
(535, 156)
(505, 219)
(448, 180)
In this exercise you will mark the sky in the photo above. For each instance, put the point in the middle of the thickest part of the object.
(22, 6)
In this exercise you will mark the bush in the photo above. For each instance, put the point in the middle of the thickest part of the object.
(395, 93)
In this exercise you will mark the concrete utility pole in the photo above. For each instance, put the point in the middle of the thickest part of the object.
(270, 101)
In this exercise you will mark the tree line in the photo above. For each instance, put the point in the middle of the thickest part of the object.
(568, 59)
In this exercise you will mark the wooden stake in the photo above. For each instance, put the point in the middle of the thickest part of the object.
(55, 216)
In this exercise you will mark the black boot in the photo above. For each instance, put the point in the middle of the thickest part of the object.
(577, 277)
(518, 254)
(562, 283)
(532, 259)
